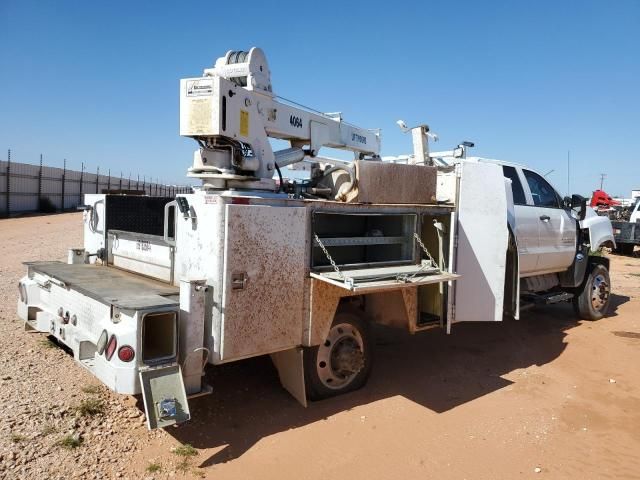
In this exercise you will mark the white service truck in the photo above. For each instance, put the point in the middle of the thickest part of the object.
(299, 270)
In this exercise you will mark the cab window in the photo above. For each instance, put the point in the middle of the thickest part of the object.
(542, 192)
(516, 185)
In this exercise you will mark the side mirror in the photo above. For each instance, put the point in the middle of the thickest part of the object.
(579, 203)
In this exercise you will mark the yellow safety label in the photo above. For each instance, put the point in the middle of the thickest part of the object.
(244, 123)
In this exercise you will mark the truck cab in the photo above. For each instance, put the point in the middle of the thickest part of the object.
(557, 240)
(546, 230)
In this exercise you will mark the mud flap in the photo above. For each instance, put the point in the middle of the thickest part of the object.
(290, 366)
(165, 400)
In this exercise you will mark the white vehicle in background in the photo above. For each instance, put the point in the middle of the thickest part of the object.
(300, 270)
(627, 233)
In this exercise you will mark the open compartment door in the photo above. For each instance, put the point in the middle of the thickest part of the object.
(379, 279)
(482, 239)
(165, 400)
(512, 274)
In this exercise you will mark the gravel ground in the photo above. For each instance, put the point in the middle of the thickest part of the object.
(49, 402)
(547, 396)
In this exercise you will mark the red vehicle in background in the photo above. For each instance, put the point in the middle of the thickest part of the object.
(600, 198)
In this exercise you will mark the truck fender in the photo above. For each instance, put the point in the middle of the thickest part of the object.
(593, 260)
(600, 230)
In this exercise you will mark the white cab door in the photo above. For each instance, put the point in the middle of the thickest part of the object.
(557, 228)
(527, 224)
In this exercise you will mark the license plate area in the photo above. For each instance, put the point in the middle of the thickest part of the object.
(165, 399)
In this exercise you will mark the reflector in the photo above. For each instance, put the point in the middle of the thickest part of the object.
(102, 342)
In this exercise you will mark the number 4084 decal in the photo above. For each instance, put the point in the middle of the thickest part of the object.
(143, 245)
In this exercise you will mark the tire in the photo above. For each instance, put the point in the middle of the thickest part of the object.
(343, 362)
(592, 302)
(624, 248)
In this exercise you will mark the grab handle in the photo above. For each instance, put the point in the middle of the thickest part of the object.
(167, 207)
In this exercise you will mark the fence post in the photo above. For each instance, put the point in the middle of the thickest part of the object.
(120, 187)
(97, 178)
(64, 173)
(109, 181)
(8, 182)
(81, 180)
(40, 185)
(129, 184)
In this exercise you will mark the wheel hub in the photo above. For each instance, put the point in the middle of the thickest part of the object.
(347, 357)
(599, 292)
(341, 356)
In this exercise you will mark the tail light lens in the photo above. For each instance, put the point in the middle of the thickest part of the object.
(126, 353)
(102, 342)
(111, 347)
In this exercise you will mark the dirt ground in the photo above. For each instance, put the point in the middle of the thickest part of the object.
(543, 397)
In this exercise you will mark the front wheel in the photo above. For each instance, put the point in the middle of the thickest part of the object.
(342, 363)
(592, 303)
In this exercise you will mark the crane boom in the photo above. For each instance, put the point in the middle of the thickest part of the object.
(232, 112)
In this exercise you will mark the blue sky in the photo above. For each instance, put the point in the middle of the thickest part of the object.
(526, 81)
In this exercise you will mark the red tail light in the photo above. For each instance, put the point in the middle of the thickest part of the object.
(126, 353)
(111, 347)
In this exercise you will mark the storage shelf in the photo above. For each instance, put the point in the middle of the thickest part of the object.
(351, 241)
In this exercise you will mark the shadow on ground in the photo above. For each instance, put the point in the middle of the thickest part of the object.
(435, 370)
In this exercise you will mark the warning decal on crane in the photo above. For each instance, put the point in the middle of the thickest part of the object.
(244, 123)
(200, 87)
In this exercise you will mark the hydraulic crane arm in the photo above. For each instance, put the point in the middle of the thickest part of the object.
(232, 112)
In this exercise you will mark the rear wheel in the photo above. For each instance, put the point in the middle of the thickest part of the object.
(592, 303)
(342, 363)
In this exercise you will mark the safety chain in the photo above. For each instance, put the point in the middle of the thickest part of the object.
(401, 278)
(424, 249)
(432, 263)
(326, 253)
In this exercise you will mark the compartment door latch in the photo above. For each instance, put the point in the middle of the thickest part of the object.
(239, 280)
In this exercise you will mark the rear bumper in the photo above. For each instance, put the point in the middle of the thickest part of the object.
(77, 320)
